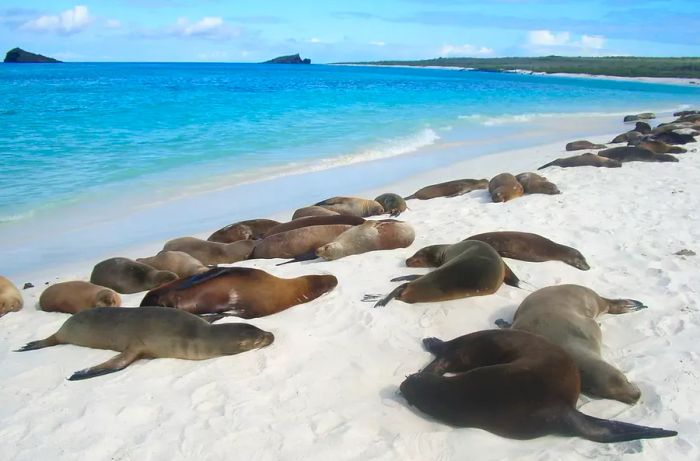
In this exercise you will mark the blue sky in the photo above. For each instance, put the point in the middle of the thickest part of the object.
(329, 31)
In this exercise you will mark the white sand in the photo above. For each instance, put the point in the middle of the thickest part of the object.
(327, 388)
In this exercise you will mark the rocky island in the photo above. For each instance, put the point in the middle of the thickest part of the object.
(18, 55)
(291, 59)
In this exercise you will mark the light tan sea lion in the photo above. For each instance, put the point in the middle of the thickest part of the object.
(352, 206)
(535, 184)
(242, 291)
(178, 262)
(505, 187)
(513, 384)
(566, 315)
(313, 211)
(315, 221)
(581, 145)
(253, 229)
(297, 242)
(10, 297)
(449, 189)
(583, 160)
(393, 204)
(126, 276)
(212, 253)
(73, 297)
(371, 236)
(635, 154)
(151, 333)
(659, 147)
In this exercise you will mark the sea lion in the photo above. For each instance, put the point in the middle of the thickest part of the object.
(252, 229)
(505, 187)
(566, 315)
(10, 297)
(242, 291)
(673, 137)
(126, 276)
(393, 204)
(315, 221)
(581, 145)
(313, 211)
(642, 127)
(673, 126)
(297, 242)
(642, 116)
(352, 206)
(178, 262)
(513, 384)
(449, 189)
(151, 332)
(212, 253)
(659, 147)
(73, 297)
(683, 113)
(635, 154)
(632, 137)
(583, 160)
(535, 184)
(371, 236)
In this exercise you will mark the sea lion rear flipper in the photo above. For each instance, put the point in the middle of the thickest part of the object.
(211, 318)
(607, 431)
(116, 363)
(384, 301)
(500, 323)
(406, 278)
(622, 306)
(410, 197)
(547, 165)
(510, 278)
(34, 345)
(308, 256)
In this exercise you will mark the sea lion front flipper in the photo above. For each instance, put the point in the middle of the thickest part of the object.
(500, 323)
(406, 278)
(622, 306)
(116, 363)
(42, 343)
(396, 292)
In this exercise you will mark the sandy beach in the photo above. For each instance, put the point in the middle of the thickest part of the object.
(328, 386)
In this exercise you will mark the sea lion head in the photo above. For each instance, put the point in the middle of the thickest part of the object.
(320, 284)
(392, 203)
(240, 337)
(375, 209)
(10, 305)
(425, 257)
(549, 188)
(108, 298)
(330, 251)
(579, 262)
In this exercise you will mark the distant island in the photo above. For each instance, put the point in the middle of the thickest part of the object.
(617, 66)
(291, 59)
(18, 55)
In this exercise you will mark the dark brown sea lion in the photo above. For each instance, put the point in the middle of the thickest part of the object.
(212, 253)
(581, 145)
(513, 384)
(371, 236)
(252, 229)
(151, 333)
(73, 297)
(535, 184)
(672, 137)
(352, 206)
(505, 187)
(242, 291)
(530, 247)
(632, 137)
(178, 262)
(673, 126)
(566, 316)
(642, 127)
(126, 276)
(635, 154)
(297, 242)
(10, 297)
(583, 160)
(313, 211)
(683, 113)
(315, 221)
(659, 147)
(393, 204)
(449, 189)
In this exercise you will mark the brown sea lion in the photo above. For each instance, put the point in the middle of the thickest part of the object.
(371, 236)
(313, 211)
(513, 384)
(566, 315)
(242, 291)
(393, 204)
(581, 145)
(642, 116)
(252, 229)
(151, 333)
(673, 137)
(535, 184)
(683, 113)
(296, 242)
(583, 160)
(178, 262)
(673, 126)
(505, 187)
(10, 297)
(635, 154)
(449, 189)
(212, 253)
(73, 297)
(659, 147)
(526, 246)
(632, 137)
(315, 221)
(642, 127)
(352, 206)
(126, 276)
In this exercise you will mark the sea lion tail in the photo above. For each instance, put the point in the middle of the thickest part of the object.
(34, 345)
(607, 431)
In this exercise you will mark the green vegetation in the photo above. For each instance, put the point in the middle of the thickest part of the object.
(612, 65)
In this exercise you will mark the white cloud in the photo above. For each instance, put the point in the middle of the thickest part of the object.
(113, 24)
(546, 40)
(67, 22)
(377, 43)
(593, 41)
(315, 40)
(465, 50)
(207, 27)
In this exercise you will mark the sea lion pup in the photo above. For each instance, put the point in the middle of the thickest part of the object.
(566, 315)
(73, 297)
(526, 246)
(313, 211)
(296, 242)
(449, 189)
(212, 253)
(632, 137)
(178, 262)
(581, 145)
(583, 160)
(386, 234)
(151, 332)
(635, 154)
(242, 291)
(252, 229)
(464, 269)
(10, 297)
(511, 383)
(535, 184)
(309, 221)
(505, 187)
(659, 147)
(352, 206)
(393, 204)
(126, 276)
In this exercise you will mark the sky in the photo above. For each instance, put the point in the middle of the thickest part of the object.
(357, 30)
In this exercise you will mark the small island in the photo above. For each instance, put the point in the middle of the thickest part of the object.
(18, 55)
(291, 59)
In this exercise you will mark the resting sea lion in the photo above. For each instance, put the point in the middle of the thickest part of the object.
(313, 211)
(642, 116)
(635, 154)
(178, 262)
(526, 246)
(513, 384)
(352, 206)
(370, 236)
(297, 242)
(632, 137)
(673, 126)
(151, 332)
(583, 160)
(73, 297)
(659, 147)
(253, 229)
(535, 184)
(242, 291)
(642, 127)
(565, 315)
(393, 204)
(126, 276)
(212, 253)
(10, 297)
(683, 113)
(672, 137)
(505, 187)
(315, 221)
(581, 145)
(450, 189)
